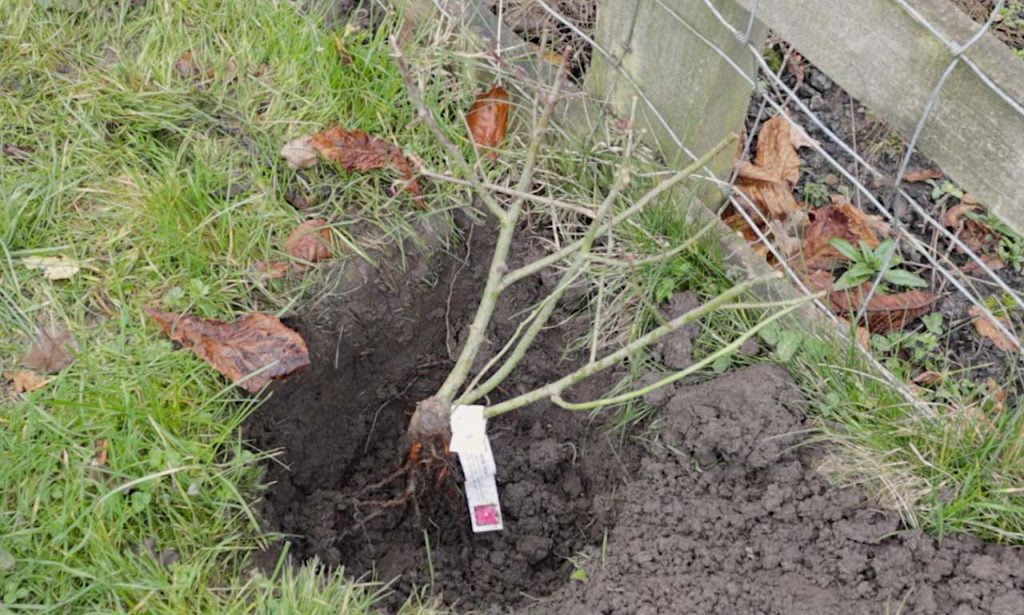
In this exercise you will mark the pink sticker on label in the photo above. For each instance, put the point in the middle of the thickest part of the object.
(486, 515)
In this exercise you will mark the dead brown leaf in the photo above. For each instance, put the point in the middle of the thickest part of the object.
(769, 180)
(271, 270)
(253, 343)
(53, 350)
(355, 150)
(300, 153)
(986, 327)
(310, 241)
(992, 262)
(922, 175)
(978, 236)
(840, 220)
(884, 313)
(929, 378)
(488, 119)
(25, 380)
(997, 392)
(18, 153)
(186, 66)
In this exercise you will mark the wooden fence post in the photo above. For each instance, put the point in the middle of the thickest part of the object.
(699, 97)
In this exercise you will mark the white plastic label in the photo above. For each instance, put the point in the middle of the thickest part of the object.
(469, 441)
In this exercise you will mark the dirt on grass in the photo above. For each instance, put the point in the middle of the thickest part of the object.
(722, 513)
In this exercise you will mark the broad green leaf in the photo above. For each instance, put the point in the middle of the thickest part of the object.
(901, 277)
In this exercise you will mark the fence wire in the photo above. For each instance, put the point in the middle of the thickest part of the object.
(940, 262)
(938, 259)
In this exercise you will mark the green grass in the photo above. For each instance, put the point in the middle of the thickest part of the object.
(166, 191)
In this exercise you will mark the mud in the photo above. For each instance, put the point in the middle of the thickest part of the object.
(729, 516)
(381, 340)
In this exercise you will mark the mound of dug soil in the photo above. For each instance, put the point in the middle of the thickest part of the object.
(734, 520)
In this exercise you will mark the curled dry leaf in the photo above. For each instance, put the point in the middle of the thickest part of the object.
(310, 241)
(922, 175)
(186, 66)
(25, 380)
(992, 262)
(770, 178)
(840, 220)
(986, 327)
(270, 270)
(17, 153)
(977, 235)
(929, 378)
(355, 150)
(488, 119)
(53, 267)
(299, 153)
(253, 343)
(884, 313)
(53, 350)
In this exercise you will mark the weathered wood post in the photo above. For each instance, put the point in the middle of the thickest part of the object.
(696, 96)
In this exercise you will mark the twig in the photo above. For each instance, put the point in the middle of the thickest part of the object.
(423, 112)
(507, 219)
(557, 387)
(536, 266)
(792, 304)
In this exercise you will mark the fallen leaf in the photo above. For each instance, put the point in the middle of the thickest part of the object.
(817, 281)
(271, 270)
(18, 153)
(253, 343)
(100, 458)
(300, 153)
(52, 351)
(356, 150)
(488, 119)
(986, 327)
(301, 200)
(929, 378)
(977, 235)
(839, 220)
(310, 241)
(991, 261)
(25, 380)
(884, 313)
(922, 175)
(997, 392)
(186, 66)
(53, 267)
(98, 463)
(769, 180)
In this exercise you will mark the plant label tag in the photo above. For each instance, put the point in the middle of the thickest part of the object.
(469, 441)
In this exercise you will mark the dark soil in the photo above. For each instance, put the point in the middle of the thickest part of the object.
(724, 514)
(730, 517)
(382, 339)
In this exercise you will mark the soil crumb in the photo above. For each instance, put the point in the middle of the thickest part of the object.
(731, 517)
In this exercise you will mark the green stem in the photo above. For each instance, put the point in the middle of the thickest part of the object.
(539, 264)
(708, 360)
(492, 289)
(641, 342)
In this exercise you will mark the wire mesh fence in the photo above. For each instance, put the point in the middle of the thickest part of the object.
(970, 261)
